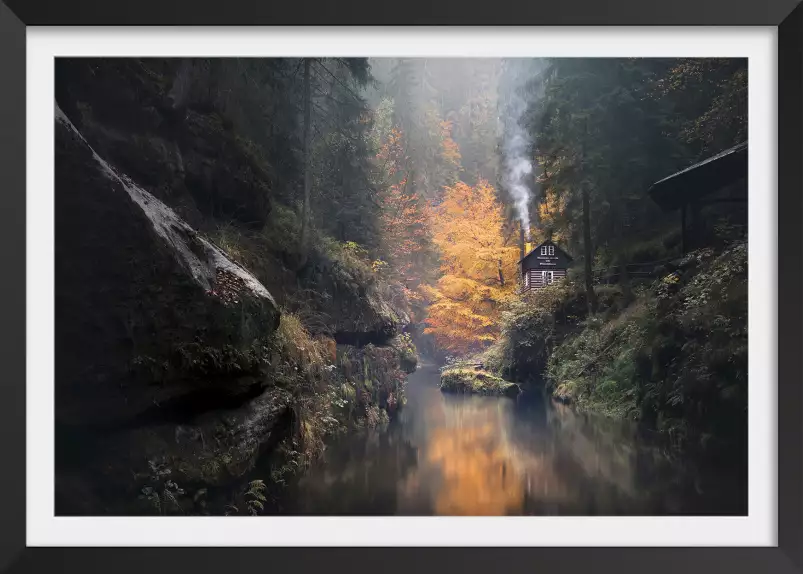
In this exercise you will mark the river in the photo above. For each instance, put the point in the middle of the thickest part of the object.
(473, 455)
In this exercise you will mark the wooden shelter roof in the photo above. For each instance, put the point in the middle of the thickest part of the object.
(701, 178)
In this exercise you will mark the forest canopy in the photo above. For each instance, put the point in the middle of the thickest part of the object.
(383, 154)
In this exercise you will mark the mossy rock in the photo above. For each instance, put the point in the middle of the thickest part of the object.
(463, 380)
(375, 374)
(408, 359)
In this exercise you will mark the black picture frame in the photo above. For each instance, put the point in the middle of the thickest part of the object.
(787, 15)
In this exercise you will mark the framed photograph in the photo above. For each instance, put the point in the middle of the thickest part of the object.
(370, 285)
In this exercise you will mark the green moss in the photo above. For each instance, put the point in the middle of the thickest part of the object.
(532, 325)
(465, 380)
(676, 357)
(596, 367)
(408, 358)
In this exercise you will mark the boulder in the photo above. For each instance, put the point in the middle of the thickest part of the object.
(359, 309)
(143, 301)
(167, 467)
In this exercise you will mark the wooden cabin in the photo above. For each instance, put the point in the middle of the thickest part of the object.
(543, 265)
(717, 181)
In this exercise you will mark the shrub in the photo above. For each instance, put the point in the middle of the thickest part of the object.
(282, 230)
(654, 249)
(532, 325)
(350, 260)
(676, 357)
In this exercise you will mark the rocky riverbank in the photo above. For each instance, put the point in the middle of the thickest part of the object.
(194, 364)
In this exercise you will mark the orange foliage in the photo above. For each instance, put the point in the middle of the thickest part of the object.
(478, 267)
(391, 153)
(405, 228)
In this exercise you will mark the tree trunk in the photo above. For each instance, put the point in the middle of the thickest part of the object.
(696, 230)
(684, 240)
(588, 253)
(501, 275)
(522, 252)
(624, 280)
(305, 211)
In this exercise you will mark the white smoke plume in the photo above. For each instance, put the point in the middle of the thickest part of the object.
(518, 168)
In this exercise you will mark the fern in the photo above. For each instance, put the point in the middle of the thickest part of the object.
(255, 496)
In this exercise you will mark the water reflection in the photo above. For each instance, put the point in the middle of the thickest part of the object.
(477, 471)
(470, 455)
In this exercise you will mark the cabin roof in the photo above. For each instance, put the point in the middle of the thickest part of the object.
(547, 242)
(701, 178)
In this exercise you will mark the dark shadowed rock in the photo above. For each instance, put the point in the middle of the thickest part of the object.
(138, 291)
(120, 470)
(359, 310)
(159, 378)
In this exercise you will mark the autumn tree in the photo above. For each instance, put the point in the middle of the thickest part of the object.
(478, 267)
(405, 233)
(433, 157)
(406, 243)
(450, 157)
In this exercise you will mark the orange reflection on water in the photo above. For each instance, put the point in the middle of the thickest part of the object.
(477, 472)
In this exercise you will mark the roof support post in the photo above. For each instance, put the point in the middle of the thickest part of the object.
(683, 239)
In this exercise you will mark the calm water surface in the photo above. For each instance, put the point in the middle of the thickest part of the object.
(472, 455)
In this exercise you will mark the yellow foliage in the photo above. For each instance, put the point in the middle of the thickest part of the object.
(478, 266)
(450, 152)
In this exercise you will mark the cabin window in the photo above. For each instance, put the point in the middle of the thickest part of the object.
(547, 277)
(552, 250)
(527, 279)
(543, 250)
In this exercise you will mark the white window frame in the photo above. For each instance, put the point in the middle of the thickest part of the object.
(551, 250)
(543, 250)
(547, 277)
